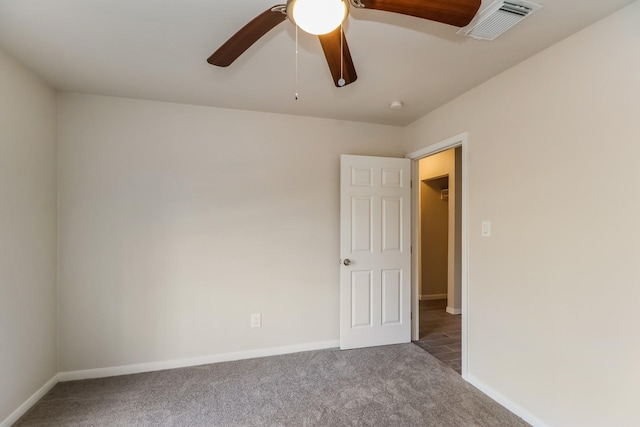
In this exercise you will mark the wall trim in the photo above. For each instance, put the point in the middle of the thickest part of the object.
(228, 357)
(431, 297)
(452, 310)
(159, 366)
(193, 361)
(22, 409)
(505, 401)
(454, 141)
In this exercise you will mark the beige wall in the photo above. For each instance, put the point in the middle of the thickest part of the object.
(434, 222)
(446, 163)
(553, 295)
(27, 235)
(177, 222)
(437, 165)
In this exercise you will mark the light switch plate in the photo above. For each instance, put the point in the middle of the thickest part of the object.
(486, 228)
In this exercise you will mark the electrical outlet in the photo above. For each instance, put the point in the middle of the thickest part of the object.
(256, 320)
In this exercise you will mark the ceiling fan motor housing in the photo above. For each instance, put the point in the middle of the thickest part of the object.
(310, 23)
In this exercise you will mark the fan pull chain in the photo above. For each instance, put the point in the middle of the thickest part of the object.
(341, 81)
(296, 89)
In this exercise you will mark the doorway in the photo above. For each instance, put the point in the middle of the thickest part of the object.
(440, 331)
(440, 257)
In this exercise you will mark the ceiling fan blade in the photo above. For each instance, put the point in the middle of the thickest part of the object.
(452, 12)
(333, 46)
(246, 36)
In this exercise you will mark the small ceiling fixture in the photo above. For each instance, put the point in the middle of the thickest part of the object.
(317, 16)
(396, 105)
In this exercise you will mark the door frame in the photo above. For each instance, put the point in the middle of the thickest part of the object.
(460, 140)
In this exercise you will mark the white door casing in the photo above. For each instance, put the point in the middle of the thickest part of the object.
(375, 238)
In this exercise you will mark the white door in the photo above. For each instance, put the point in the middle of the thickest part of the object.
(375, 251)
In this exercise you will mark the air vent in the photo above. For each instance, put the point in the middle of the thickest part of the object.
(498, 18)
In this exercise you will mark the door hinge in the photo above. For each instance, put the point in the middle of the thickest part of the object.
(410, 249)
(411, 184)
(412, 316)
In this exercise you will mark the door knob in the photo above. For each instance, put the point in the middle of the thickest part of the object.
(347, 261)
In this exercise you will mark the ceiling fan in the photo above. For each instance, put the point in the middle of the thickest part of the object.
(324, 18)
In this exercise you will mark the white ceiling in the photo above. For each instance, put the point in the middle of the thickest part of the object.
(157, 49)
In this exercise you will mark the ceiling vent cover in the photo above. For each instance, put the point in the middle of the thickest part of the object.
(498, 18)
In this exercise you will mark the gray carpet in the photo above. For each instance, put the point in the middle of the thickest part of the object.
(399, 385)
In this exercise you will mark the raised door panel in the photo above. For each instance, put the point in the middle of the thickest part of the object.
(391, 297)
(361, 293)
(361, 224)
(391, 224)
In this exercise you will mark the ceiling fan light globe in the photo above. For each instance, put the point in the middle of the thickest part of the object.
(318, 16)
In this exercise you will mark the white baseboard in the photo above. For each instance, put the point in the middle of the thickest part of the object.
(158, 366)
(22, 409)
(431, 297)
(504, 401)
(227, 357)
(193, 361)
(452, 310)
